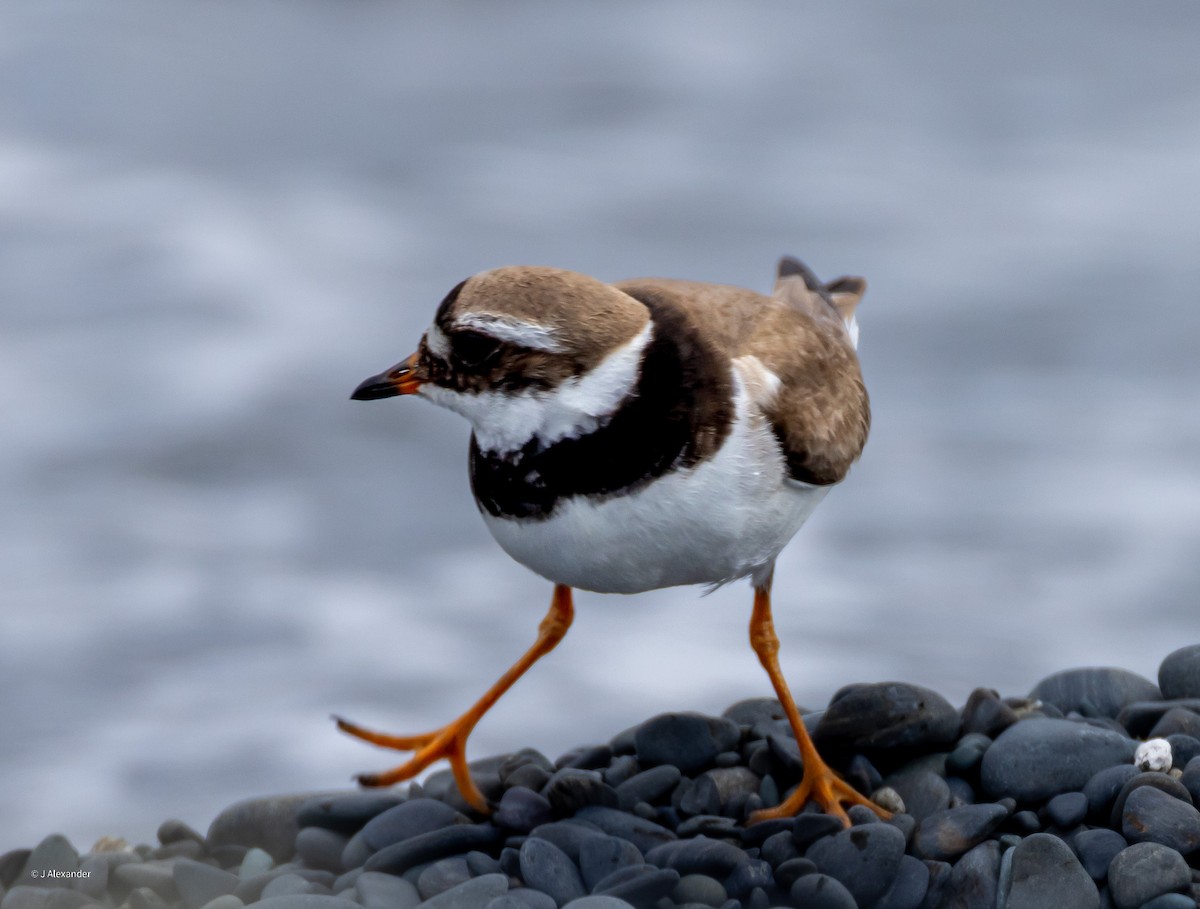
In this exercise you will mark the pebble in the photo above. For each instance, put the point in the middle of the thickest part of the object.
(641, 885)
(345, 812)
(714, 790)
(699, 888)
(256, 861)
(972, 882)
(643, 833)
(307, 901)
(1045, 872)
(407, 820)
(1190, 780)
(426, 847)
(443, 874)
(909, 888)
(1153, 754)
(700, 855)
(1179, 673)
(1143, 871)
(1103, 787)
(887, 715)
(570, 789)
(174, 830)
(156, 877)
(747, 876)
(650, 786)
(385, 891)
(1094, 691)
(1171, 901)
(527, 898)
(522, 809)
(1096, 848)
(923, 792)
(865, 859)
(1184, 747)
(948, 834)
(321, 848)
(569, 835)
(820, 891)
(199, 884)
(268, 823)
(602, 855)
(1152, 815)
(1167, 784)
(292, 885)
(986, 714)
(689, 741)
(1139, 718)
(1067, 810)
(547, 868)
(598, 901)
(1038, 758)
(230, 901)
(469, 894)
(812, 826)
(53, 854)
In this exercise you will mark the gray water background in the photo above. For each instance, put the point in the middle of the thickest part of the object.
(217, 218)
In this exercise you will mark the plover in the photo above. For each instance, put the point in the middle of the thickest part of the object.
(639, 435)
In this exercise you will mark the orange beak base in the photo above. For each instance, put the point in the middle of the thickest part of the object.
(401, 379)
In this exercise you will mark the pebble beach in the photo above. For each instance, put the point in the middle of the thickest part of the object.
(1080, 794)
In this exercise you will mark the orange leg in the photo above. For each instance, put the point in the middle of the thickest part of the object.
(819, 783)
(450, 741)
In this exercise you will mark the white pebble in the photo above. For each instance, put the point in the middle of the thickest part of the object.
(257, 861)
(1154, 754)
(889, 798)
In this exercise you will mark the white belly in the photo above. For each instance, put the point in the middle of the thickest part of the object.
(724, 519)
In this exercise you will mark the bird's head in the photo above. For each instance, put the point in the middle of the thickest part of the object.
(525, 352)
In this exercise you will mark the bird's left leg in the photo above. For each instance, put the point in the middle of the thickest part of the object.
(819, 783)
(451, 740)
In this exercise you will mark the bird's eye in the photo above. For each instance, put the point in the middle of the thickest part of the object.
(473, 348)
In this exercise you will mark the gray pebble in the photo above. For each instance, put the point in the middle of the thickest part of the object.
(1103, 787)
(53, 854)
(909, 888)
(1179, 673)
(598, 901)
(820, 891)
(779, 848)
(1176, 721)
(1139, 718)
(747, 876)
(26, 896)
(972, 881)
(376, 890)
(407, 820)
(1067, 810)
(289, 884)
(306, 901)
(228, 901)
(141, 898)
(345, 812)
(716, 789)
(1094, 691)
(1191, 779)
(569, 835)
(622, 768)
(1045, 872)
(690, 741)
(480, 863)
(443, 874)
(812, 826)
(590, 757)
(174, 831)
(601, 856)
(528, 898)
(268, 823)
(199, 883)
(650, 786)
(95, 883)
(790, 871)
(710, 825)
(887, 715)
(256, 861)
(967, 754)
(865, 859)
(948, 834)
(923, 792)
(321, 848)
(1151, 815)
(700, 855)
(547, 868)
(699, 888)
(642, 886)
(1163, 781)
(184, 848)
(1171, 901)
(251, 889)
(1183, 749)
(156, 877)
(1096, 848)
(644, 834)
(427, 847)
(522, 809)
(1143, 871)
(1038, 758)
(985, 713)
(570, 789)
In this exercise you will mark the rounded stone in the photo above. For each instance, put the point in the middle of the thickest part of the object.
(887, 715)
(792, 870)
(973, 878)
(699, 888)
(1166, 783)
(528, 898)
(865, 859)
(1096, 848)
(547, 868)
(53, 853)
(813, 826)
(570, 789)
(1067, 809)
(522, 809)
(986, 714)
(1179, 673)
(1143, 871)
(1153, 816)
(199, 883)
(1036, 759)
(345, 812)
(643, 833)
(267, 823)
(1045, 872)
(569, 835)
(1094, 691)
(438, 877)
(376, 890)
(650, 786)
(598, 901)
(427, 847)
(1103, 787)
(469, 894)
(641, 886)
(909, 888)
(306, 901)
(229, 901)
(697, 856)
(602, 855)
(690, 741)
(820, 891)
(321, 848)
(174, 830)
(923, 792)
(407, 820)
(1170, 901)
(944, 836)
(1176, 721)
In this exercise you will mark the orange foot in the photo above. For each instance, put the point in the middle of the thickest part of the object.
(449, 742)
(821, 785)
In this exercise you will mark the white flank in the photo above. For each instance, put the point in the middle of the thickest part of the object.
(727, 518)
(507, 421)
(518, 332)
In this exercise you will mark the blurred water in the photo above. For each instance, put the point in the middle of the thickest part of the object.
(216, 218)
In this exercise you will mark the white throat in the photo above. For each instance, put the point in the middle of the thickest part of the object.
(507, 421)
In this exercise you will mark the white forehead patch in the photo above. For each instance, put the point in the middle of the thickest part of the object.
(511, 330)
(437, 342)
(507, 421)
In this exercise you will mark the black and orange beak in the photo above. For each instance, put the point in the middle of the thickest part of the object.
(401, 379)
